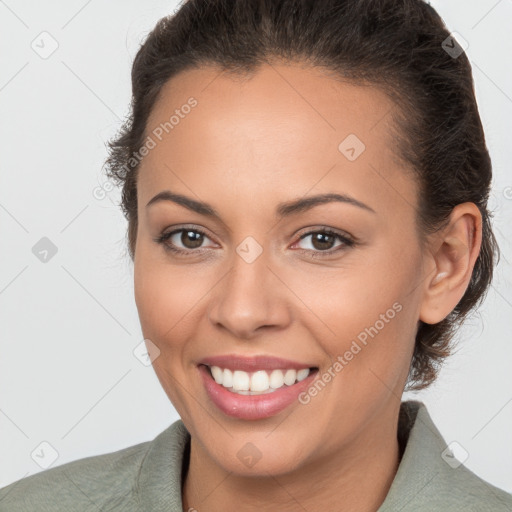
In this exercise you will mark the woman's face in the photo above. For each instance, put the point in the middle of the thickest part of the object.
(265, 281)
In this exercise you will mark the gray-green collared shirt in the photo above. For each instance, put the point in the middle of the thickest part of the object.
(147, 477)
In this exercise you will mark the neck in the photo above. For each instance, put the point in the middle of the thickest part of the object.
(355, 478)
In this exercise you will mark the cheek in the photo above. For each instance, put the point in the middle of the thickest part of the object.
(168, 302)
(365, 313)
(167, 298)
(365, 326)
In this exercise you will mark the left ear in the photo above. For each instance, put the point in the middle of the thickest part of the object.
(453, 253)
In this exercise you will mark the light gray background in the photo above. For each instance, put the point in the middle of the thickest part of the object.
(68, 375)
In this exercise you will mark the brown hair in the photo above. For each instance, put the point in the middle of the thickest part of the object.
(400, 46)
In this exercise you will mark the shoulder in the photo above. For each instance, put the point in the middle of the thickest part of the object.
(474, 493)
(79, 485)
(429, 476)
(103, 482)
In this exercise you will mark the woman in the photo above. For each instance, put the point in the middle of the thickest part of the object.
(306, 188)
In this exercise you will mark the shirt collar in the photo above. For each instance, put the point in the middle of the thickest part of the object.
(159, 482)
(421, 466)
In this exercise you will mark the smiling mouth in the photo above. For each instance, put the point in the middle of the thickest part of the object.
(258, 382)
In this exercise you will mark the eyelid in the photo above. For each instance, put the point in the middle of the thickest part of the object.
(168, 233)
(196, 230)
(347, 241)
(325, 229)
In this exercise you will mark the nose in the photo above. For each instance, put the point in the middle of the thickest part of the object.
(249, 300)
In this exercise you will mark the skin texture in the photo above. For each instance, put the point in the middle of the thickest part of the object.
(247, 146)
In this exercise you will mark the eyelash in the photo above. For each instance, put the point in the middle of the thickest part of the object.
(346, 242)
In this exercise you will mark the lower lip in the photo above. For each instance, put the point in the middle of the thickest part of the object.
(253, 407)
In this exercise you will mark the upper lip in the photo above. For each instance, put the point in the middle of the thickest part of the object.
(252, 363)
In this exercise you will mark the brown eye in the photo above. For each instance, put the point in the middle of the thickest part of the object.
(186, 241)
(191, 239)
(322, 241)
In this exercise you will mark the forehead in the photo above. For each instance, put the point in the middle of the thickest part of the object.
(286, 126)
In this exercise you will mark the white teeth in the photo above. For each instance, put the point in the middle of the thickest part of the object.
(258, 382)
(217, 374)
(227, 378)
(241, 380)
(276, 379)
(302, 374)
(269, 390)
(289, 377)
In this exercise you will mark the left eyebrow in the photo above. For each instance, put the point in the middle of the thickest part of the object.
(283, 209)
(303, 204)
